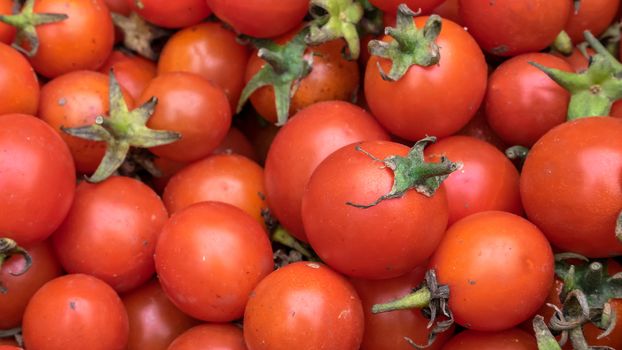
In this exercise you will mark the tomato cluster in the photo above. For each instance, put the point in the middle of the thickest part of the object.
(310, 174)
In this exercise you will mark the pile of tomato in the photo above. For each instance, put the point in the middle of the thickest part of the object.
(310, 174)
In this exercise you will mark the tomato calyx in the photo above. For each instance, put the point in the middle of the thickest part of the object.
(412, 172)
(281, 236)
(8, 248)
(339, 20)
(563, 43)
(517, 154)
(26, 39)
(138, 34)
(410, 46)
(544, 337)
(121, 130)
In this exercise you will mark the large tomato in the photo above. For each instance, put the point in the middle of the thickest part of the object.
(18, 83)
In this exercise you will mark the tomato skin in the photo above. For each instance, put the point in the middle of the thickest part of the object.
(211, 51)
(119, 6)
(192, 106)
(171, 14)
(129, 215)
(304, 305)
(522, 102)
(301, 144)
(511, 339)
(210, 336)
(449, 9)
(20, 289)
(593, 15)
(509, 27)
(7, 32)
(383, 241)
(38, 176)
(56, 308)
(15, 71)
(133, 73)
(499, 269)
(225, 254)
(408, 110)
(570, 185)
(154, 321)
(260, 18)
(426, 6)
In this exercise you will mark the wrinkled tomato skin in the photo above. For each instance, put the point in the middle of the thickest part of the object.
(132, 72)
(570, 185)
(593, 15)
(171, 14)
(18, 83)
(301, 144)
(511, 339)
(425, 6)
(120, 219)
(405, 107)
(210, 336)
(499, 269)
(306, 306)
(384, 241)
(522, 102)
(38, 179)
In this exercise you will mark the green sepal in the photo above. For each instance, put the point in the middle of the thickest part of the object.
(285, 67)
(544, 337)
(139, 34)
(563, 44)
(339, 21)
(592, 278)
(281, 236)
(8, 248)
(412, 172)
(411, 45)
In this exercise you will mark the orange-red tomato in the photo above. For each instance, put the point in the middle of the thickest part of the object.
(18, 83)
(132, 72)
(593, 15)
(511, 339)
(171, 14)
(7, 32)
(210, 336)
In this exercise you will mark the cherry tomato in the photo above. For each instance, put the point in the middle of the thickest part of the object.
(237, 143)
(479, 128)
(570, 185)
(592, 15)
(209, 257)
(171, 14)
(119, 6)
(511, 339)
(7, 347)
(7, 32)
(75, 312)
(577, 60)
(210, 336)
(132, 72)
(38, 179)
(450, 10)
(306, 306)
(15, 71)
(425, 6)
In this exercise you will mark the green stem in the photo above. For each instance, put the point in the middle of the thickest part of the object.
(340, 21)
(546, 340)
(280, 235)
(563, 44)
(593, 277)
(418, 299)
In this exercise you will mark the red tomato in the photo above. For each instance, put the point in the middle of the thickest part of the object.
(479, 128)
(510, 27)
(18, 83)
(38, 179)
(577, 60)
(426, 6)
(210, 336)
(260, 18)
(511, 339)
(75, 312)
(119, 6)
(129, 215)
(7, 32)
(523, 103)
(236, 143)
(301, 144)
(7, 347)
(499, 269)
(450, 10)
(132, 72)
(171, 14)
(192, 106)
(154, 321)
(570, 185)
(411, 107)
(225, 254)
(304, 306)
(593, 15)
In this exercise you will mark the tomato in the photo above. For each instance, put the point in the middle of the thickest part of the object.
(499, 269)
(119, 6)
(487, 181)
(209, 257)
(479, 128)
(210, 336)
(76, 99)
(211, 51)
(384, 241)
(577, 60)
(522, 102)
(593, 15)
(52, 317)
(129, 215)
(19, 289)
(570, 185)
(304, 305)
(7, 32)
(450, 10)
(386, 331)
(7, 347)
(15, 71)
(154, 321)
(192, 106)
(260, 18)
(509, 27)
(301, 144)
(511, 339)
(171, 14)
(411, 107)
(132, 72)
(38, 179)
(425, 6)
(236, 143)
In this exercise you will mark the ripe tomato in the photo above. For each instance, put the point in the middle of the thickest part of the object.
(570, 185)
(119, 6)
(132, 72)
(407, 107)
(237, 143)
(75, 312)
(499, 269)
(15, 71)
(426, 6)
(301, 144)
(171, 14)
(305, 306)
(129, 215)
(192, 106)
(8, 347)
(7, 32)
(577, 60)
(38, 179)
(593, 15)
(209, 257)
(522, 102)
(260, 18)
(154, 321)
(511, 339)
(510, 27)
(211, 51)
(450, 10)
(210, 336)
